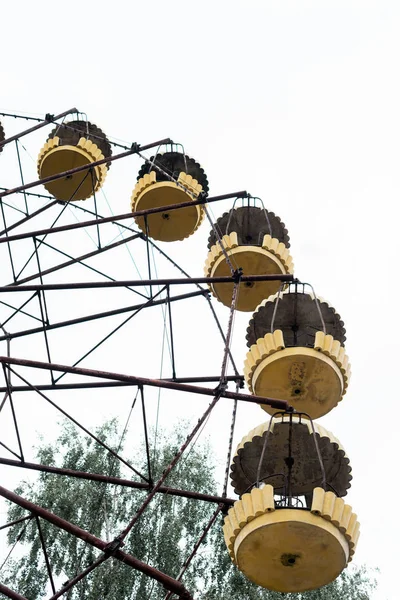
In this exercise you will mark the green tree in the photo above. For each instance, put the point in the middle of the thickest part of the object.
(165, 534)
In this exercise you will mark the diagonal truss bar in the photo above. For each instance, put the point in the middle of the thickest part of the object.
(71, 418)
(134, 380)
(10, 593)
(11, 523)
(143, 282)
(80, 258)
(95, 222)
(28, 217)
(46, 121)
(197, 545)
(137, 485)
(92, 317)
(111, 384)
(134, 150)
(168, 582)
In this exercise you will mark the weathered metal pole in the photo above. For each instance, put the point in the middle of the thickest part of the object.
(130, 215)
(43, 123)
(161, 383)
(114, 481)
(82, 285)
(168, 582)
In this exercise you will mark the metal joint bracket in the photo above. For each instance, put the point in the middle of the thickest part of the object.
(237, 275)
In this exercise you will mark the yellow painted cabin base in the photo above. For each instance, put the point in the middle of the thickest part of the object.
(254, 260)
(290, 550)
(309, 380)
(75, 187)
(169, 225)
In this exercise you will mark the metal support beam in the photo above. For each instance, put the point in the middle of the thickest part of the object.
(134, 150)
(47, 120)
(112, 384)
(130, 215)
(168, 582)
(138, 485)
(133, 380)
(141, 282)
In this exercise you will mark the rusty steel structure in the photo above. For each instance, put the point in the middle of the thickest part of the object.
(22, 374)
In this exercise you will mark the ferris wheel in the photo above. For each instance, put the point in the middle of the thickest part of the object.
(290, 530)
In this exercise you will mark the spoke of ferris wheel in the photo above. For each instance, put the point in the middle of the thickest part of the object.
(197, 545)
(78, 259)
(110, 479)
(45, 554)
(94, 316)
(134, 150)
(27, 217)
(46, 121)
(130, 215)
(135, 380)
(104, 339)
(10, 593)
(78, 424)
(82, 285)
(168, 582)
(217, 393)
(113, 384)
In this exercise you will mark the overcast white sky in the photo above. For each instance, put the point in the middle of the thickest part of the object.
(297, 102)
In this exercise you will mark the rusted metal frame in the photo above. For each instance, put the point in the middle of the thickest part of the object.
(40, 242)
(207, 296)
(10, 593)
(72, 582)
(141, 283)
(71, 418)
(168, 582)
(83, 168)
(146, 239)
(138, 213)
(134, 380)
(21, 175)
(229, 453)
(6, 447)
(113, 384)
(221, 331)
(92, 317)
(41, 295)
(11, 206)
(3, 114)
(11, 523)
(228, 336)
(171, 334)
(7, 241)
(45, 554)
(104, 339)
(43, 311)
(17, 540)
(119, 539)
(47, 120)
(137, 485)
(146, 437)
(28, 217)
(196, 546)
(14, 416)
(90, 267)
(79, 258)
(166, 472)
(94, 179)
(19, 310)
